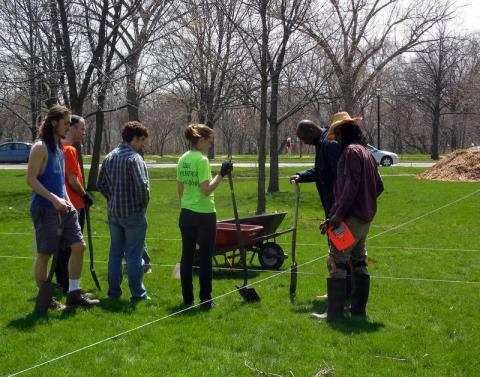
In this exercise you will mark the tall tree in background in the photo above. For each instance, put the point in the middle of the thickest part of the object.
(143, 29)
(205, 56)
(352, 35)
(432, 77)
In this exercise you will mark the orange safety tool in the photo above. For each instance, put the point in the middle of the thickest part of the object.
(341, 236)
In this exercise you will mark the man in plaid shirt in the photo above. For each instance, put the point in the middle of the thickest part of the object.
(124, 181)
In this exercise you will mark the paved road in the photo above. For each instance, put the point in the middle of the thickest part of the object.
(238, 164)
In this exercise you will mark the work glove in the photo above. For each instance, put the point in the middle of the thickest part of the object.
(88, 199)
(334, 221)
(226, 168)
(324, 226)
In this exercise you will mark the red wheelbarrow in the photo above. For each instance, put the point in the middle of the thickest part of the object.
(259, 234)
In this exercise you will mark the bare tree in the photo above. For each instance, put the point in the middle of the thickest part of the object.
(432, 77)
(204, 57)
(352, 35)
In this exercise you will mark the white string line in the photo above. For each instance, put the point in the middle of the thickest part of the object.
(425, 279)
(282, 243)
(424, 215)
(152, 322)
(275, 272)
(223, 295)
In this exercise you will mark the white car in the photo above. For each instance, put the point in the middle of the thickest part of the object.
(384, 158)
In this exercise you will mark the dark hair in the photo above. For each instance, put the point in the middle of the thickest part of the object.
(351, 134)
(47, 129)
(132, 129)
(195, 132)
(74, 120)
(307, 127)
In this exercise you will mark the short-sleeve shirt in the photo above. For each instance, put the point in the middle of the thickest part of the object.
(193, 168)
(72, 166)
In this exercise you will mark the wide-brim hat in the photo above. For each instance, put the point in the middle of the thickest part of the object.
(340, 119)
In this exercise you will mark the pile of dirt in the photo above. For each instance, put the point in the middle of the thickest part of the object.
(461, 165)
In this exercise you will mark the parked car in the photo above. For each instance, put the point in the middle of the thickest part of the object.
(384, 158)
(15, 151)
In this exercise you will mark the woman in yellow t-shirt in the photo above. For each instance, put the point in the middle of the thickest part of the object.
(198, 216)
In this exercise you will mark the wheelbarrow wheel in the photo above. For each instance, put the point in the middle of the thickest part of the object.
(271, 256)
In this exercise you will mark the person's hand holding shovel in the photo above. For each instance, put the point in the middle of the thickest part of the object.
(88, 199)
(226, 168)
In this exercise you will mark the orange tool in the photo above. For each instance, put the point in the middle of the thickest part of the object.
(341, 236)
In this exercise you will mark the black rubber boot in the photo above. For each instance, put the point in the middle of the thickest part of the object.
(337, 292)
(360, 290)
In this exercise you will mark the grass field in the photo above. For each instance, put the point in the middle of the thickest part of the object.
(423, 312)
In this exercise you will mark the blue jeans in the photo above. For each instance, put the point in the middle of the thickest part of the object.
(145, 255)
(127, 238)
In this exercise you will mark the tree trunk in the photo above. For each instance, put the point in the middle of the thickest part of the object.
(133, 100)
(97, 144)
(435, 130)
(273, 183)
(261, 198)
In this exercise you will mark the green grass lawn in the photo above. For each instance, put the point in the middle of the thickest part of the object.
(423, 312)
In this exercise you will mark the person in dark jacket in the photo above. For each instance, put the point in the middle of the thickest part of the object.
(327, 153)
(357, 187)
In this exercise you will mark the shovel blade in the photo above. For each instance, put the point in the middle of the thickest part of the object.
(293, 279)
(248, 294)
(44, 297)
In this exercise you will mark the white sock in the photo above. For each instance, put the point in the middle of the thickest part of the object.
(73, 285)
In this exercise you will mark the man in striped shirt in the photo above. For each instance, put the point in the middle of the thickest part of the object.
(124, 181)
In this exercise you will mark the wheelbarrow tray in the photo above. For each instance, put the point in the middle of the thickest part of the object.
(269, 221)
(227, 233)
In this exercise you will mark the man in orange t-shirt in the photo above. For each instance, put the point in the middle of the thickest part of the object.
(75, 189)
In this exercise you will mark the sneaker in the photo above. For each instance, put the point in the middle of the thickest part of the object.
(138, 299)
(55, 305)
(147, 269)
(319, 316)
(76, 298)
(86, 294)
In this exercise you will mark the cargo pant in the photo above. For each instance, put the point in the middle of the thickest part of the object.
(338, 261)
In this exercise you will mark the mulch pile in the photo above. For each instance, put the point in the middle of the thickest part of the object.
(461, 165)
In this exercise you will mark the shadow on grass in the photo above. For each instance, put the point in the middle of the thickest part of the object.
(117, 306)
(33, 319)
(231, 274)
(355, 325)
(317, 306)
(346, 325)
(184, 310)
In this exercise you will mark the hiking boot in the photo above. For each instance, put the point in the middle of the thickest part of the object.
(147, 269)
(55, 305)
(77, 298)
